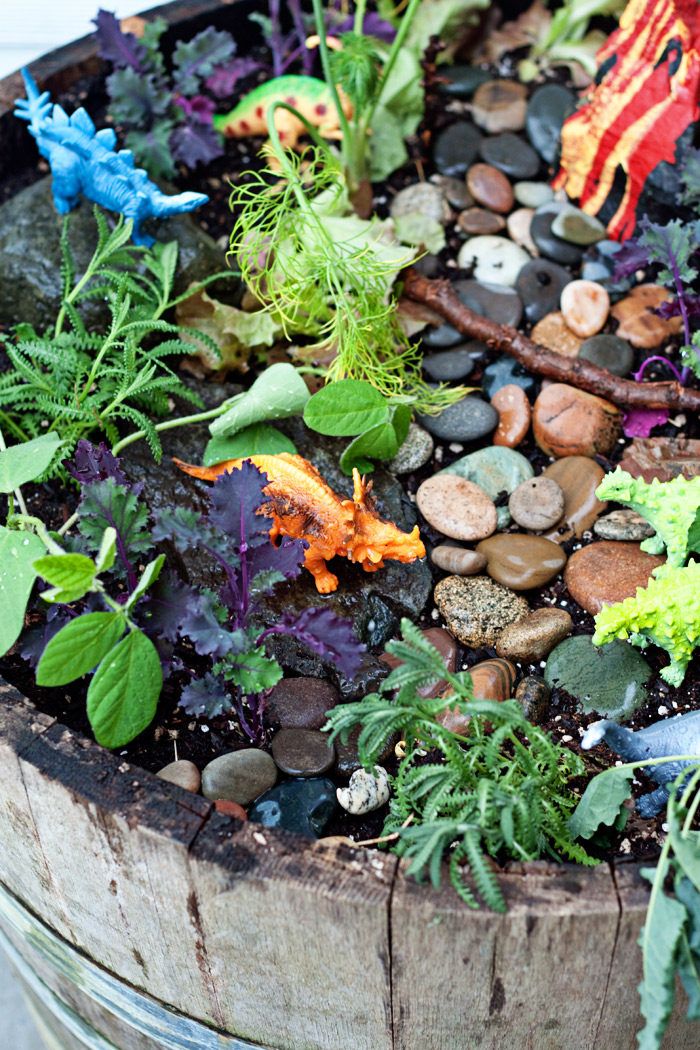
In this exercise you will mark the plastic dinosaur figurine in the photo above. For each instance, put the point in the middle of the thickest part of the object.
(672, 508)
(84, 163)
(304, 507)
(665, 612)
(672, 736)
(310, 96)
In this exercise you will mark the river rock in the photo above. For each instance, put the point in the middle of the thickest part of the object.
(455, 190)
(490, 188)
(457, 560)
(609, 352)
(607, 572)
(495, 260)
(456, 508)
(500, 105)
(599, 264)
(638, 323)
(491, 680)
(230, 809)
(445, 644)
(422, 198)
(624, 525)
(607, 679)
(533, 194)
(494, 301)
(547, 110)
(518, 225)
(503, 371)
(441, 336)
(301, 703)
(183, 773)
(521, 562)
(574, 225)
(514, 415)
(585, 306)
(414, 453)
(476, 609)
(548, 243)
(578, 477)
(450, 366)
(554, 333)
(533, 694)
(510, 154)
(30, 255)
(533, 638)
(239, 776)
(495, 469)
(570, 422)
(477, 221)
(301, 806)
(348, 756)
(460, 81)
(302, 752)
(537, 503)
(663, 458)
(456, 147)
(540, 285)
(365, 792)
(466, 420)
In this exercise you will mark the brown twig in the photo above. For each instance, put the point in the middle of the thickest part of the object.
(439, 296)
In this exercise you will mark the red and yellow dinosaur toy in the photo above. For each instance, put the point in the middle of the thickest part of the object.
(645, 96)
(304, 507)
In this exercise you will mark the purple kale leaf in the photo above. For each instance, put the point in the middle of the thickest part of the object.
(152, 148)
(123, 50)
(206, 697)
(95, 463)
(186, 528)
(286, 559)
(204, 623)
(373, 25)
(137, 99)
(194, 142)
(105, 504)
(235, 499)
(639, 422)
(672, 308)
(198, 58)
(330, 636)
(198, 108)
(166, 607)
(631, 256)
(224, 79)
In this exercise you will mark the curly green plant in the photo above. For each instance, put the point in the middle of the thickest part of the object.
(500, 789)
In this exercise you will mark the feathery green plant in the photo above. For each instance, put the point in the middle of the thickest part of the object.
(76, 382)
(499, 790)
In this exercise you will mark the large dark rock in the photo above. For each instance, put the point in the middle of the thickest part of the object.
(30, 257)
(374, 602)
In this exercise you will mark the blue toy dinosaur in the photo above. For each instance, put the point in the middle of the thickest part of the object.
(83, 161)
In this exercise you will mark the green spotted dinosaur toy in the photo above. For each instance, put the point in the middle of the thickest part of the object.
(665, 612)
(672, 508)
(310, 96)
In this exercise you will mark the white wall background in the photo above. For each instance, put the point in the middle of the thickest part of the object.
(28, 28)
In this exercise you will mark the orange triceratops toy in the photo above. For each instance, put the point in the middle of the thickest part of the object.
(644, 99)
(304, 507)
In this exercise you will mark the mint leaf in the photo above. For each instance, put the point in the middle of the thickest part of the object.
(18, 552)
(601, 802)
(379, 442)
(259, 439)
(346, 407)
(123, 695)
(78, 647)
(401, 420)
(22, 463)
(71, 576)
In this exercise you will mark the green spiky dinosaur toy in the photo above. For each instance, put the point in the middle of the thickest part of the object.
(672, 508)
(665, 612)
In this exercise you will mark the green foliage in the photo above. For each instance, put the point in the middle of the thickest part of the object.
(18, 552)
(81, 382)
(499, 790)
(690, 355)
(602, 802)
(79, 647)
(565, 38)
(123, 694)
(355, 67)
(324, 273)
(23, 463)
(278, 393)
(671, 246)
(690, 179)
(259, 439)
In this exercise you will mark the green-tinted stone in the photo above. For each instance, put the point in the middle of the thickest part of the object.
(575, 226)
(301, 806)
(607, 680)
(533, 194)
(496, 470)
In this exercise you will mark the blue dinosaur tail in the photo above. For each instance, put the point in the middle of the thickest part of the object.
(163, 205)
(36, 107)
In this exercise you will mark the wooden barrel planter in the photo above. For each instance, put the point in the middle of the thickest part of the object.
(139, 918)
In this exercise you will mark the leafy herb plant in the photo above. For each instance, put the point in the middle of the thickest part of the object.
(166, 116)
(74, 382)
(501, 789)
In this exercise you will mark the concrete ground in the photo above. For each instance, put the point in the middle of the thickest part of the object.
(16, 1027)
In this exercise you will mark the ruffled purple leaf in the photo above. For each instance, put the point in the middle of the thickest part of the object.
(287, 558)
(166, 607)
(632, 256)
(36, 639)
(373, 25)
(330, 636)
(672, 308)
(639, 422)
(123, 50)
(95, 463)
(235, 499)
(201, 623)
(194, 143)
(199, 108)
(224, 79)
(197, 59)
(206, 697)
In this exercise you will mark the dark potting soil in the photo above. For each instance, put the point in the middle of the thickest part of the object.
(177, 735)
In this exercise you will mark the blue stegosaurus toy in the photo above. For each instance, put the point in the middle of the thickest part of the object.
(84, 163)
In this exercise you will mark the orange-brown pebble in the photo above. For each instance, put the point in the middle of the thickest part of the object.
(490, 188)
(492, 680)
(571, 422)
(514, 414)
(230, 809)
(554, 333)
(607, 572)
(639, 325)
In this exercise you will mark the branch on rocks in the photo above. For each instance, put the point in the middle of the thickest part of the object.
(439, 296)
